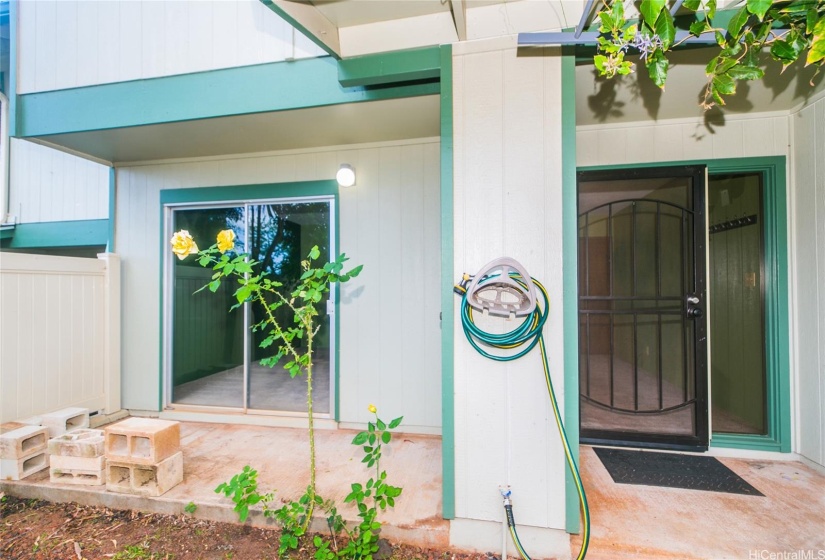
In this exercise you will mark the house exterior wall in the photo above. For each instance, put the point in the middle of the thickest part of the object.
(389, 337)
(507, 195)
(47, 185)
(682, 140)
(74, 43)
(808, 232)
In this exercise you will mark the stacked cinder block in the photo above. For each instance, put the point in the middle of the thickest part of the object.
(77, 458)
(143, 456)
(65, 420)
(23, 452)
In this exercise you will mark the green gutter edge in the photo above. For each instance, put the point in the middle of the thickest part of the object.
(75, 233)
(570, 279)
(447, 303)
(388, 68)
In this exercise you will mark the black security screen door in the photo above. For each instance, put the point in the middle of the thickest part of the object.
(642, 326)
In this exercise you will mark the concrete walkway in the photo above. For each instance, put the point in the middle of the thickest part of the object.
(213, 453)
(631, 521)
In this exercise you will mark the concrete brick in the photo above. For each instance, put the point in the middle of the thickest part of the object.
(61, 421)
(77, 477)
(23, 442)
(144, 480)
(142, 441)
(33, 421)
(77, 463)
(83, 442)
(17, 469)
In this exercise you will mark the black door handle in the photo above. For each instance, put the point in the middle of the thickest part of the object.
(695, 312)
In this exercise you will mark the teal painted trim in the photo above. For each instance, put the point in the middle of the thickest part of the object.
(777, 338)
(110, 246)
(12, 93)
(447, 298)
(77, 233)
(300, 27)
(242, 193)
(6, 232)
(392, 67)
(278, 86)
(570, 263)
(336, 249)
(238, 193)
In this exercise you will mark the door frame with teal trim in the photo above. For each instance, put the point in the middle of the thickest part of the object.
(209, 196)
(777, 342)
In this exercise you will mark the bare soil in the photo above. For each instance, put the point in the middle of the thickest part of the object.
(39, 530)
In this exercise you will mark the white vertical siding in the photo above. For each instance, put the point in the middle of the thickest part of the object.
(681, 140)
(508, 193)
(53, 346)
(389, 337)
(75, 43)
(47, 185)
(808, 230)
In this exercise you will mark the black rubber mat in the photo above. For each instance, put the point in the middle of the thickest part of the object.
(692, 472)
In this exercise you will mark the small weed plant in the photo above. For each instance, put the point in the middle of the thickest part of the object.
(294, 343)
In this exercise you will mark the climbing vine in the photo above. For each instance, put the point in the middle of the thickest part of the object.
(787, 31)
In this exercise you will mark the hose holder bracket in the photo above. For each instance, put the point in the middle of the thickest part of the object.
(494, 290)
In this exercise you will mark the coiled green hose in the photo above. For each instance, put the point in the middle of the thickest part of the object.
(528, 333)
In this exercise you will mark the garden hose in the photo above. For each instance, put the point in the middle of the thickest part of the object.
(528, 332)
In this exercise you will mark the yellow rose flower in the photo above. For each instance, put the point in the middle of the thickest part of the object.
(226, 240)
(372, 408)
(183, 244)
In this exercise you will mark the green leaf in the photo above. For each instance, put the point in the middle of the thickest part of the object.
(380, 424)
(203, 261)
(817, 52)
(650, 10)
(386, 437)
(746, 73)
(724, 84)
(784, 51)
(214, 285)
(711, 8)
(314, 253)
(657, 69)
(395, 423)
(692, 4)
(360, 439)
(665, 28)
(242, 294)
(739, 19)
(759, 7)
(697, 28)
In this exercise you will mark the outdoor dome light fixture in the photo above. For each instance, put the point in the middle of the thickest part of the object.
(345, 175)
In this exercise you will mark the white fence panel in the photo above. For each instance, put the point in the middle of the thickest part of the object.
(59, 334)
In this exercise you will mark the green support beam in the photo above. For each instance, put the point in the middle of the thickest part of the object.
(278, 86)
(388, 68)
(79, 233)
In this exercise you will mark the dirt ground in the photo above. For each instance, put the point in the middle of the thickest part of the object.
(32, 529)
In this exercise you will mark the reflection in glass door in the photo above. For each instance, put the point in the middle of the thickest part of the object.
(642, 341)
(213, 354)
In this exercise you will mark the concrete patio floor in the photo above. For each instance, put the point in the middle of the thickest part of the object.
(631, 521)
(213, 453)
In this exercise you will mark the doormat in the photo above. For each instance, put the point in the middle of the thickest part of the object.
(691, 472)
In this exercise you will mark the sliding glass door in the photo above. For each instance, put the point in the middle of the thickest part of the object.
(212, 355)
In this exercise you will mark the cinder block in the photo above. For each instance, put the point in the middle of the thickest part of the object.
(77, 463)
(17, 469)
(142, 441)
(78, 443)
(77, 477)
(33, 421)
(23, 442)
(61, 421)
(144, 480)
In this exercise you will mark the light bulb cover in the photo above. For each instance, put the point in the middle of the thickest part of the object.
(345, 175)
